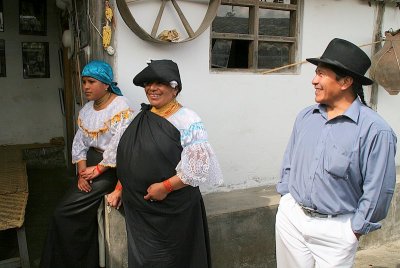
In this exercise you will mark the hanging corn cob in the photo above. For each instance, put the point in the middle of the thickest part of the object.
(108, 11)
(106, 36)
(107, 32)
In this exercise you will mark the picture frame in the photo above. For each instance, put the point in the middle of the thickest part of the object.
(33, 17)
(2, 58)
(35, 60)
(1, 17)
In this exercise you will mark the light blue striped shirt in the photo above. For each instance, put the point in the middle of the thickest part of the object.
(342, 165)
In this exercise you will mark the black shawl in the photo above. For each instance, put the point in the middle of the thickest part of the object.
(148, 152)
(171, 233)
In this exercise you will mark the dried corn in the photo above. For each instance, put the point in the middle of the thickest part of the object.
(109, 13)
(106, 36)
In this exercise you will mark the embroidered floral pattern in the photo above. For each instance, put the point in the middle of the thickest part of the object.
(94, 134)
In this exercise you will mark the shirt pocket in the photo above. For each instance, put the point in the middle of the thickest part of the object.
(336, 161)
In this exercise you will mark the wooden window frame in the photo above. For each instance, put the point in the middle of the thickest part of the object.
(295, 9)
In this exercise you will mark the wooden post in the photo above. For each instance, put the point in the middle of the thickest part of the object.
(377, 35)
(69, 108)
(96, 42)
(23, 248)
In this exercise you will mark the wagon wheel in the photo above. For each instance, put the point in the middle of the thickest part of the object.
(152, 36)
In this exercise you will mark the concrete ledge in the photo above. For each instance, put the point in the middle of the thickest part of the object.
(116, 245)
(390, 230)
(242, 229)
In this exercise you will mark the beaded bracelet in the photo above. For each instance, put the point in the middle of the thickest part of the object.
(167, 185)
(118, 186)
(98, 170)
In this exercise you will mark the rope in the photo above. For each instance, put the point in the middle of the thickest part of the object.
(304, 61)
(90, 19)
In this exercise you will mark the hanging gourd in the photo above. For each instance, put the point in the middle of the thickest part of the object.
(385, 64)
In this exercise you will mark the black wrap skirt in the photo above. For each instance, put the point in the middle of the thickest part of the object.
(72, 239)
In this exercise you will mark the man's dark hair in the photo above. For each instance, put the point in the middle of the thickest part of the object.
(356, 87)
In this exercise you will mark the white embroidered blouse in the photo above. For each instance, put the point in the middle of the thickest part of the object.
(102, 130)
(199, 164)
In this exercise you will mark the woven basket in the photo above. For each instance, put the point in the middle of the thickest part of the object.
(13, 188)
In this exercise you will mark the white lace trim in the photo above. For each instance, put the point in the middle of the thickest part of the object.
(199, 164)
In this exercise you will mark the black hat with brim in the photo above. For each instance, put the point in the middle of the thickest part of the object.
(347, 58)
(159, 71)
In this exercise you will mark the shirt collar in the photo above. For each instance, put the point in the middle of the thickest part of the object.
(353, 112)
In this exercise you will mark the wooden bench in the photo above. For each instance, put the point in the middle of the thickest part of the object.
(13, 200)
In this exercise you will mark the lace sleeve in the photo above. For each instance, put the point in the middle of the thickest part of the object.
(199, 164)
(118, 125)
(79, 149)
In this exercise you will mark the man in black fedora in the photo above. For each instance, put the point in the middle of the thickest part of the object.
(338, 173)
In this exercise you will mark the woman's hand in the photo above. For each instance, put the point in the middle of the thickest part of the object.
(156, 192)
(159, 191)
(89, 173)
(114, 199)
(84, 185)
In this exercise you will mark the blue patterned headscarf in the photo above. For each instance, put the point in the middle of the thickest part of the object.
(101, 71)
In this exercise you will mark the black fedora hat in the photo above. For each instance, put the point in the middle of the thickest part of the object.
(346, 57)
(159, 71)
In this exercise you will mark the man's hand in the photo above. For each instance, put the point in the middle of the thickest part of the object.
(358, 235)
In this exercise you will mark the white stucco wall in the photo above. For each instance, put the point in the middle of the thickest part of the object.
(249, 117)
(30, 108)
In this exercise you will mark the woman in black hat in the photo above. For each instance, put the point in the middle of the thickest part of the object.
(338, 173)
(163, 157)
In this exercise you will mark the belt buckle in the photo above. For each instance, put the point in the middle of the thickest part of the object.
(312, 213)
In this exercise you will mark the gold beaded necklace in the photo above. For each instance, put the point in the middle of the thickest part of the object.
(99, 102)
(168, 109)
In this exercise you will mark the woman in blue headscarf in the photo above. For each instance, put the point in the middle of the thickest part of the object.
(72, 239)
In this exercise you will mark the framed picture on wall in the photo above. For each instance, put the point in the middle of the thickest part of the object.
(32, 17)
(35, 59)
(1, 17)
(2, 58)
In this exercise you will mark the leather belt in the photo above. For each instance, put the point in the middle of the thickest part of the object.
(315, 214)
(98, 150)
